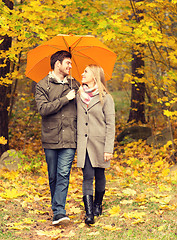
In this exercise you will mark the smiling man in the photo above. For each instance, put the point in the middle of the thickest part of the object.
(55, 98)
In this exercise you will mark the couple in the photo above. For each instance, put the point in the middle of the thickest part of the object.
(66, 106)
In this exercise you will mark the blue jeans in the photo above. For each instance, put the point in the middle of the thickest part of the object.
(59, 162)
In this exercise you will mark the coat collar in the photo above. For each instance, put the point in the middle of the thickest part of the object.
(69, 81)
(94, 101)
(53, 78)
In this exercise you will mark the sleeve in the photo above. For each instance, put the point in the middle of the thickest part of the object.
(74, 84)
(46, 107)
(77, 85)
(109, 113)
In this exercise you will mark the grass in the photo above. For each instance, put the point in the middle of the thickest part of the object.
(155, 223)
(139, 212)
(5, 234)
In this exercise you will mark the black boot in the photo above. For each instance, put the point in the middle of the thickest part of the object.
(97, 208)
(88, 202)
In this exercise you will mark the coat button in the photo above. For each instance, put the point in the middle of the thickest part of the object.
(85, 135)
(86, 124)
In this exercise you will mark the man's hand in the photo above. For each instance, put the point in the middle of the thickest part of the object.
(107, 156)
(71, 95)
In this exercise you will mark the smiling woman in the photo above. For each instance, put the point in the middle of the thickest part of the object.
(95, 137)
(88, 77)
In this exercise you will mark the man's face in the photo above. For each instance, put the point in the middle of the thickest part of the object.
(65, 67)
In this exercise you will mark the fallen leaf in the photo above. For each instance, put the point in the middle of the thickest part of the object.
(12, 193)
(111, 228)
(81, 225)
(70, 234)
(41, 212)
(41, 220)
(160, 228)
(135, 214)
(93, 233)
(19, 227)
(129, 191)
(114, 211)
(75, 210)
(42, 180)
(124, 202)
(53, 233)
(138, 221)
(165, 200)
(167, 207)
(6, 217)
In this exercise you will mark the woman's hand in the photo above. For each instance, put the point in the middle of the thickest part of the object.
(107, 156)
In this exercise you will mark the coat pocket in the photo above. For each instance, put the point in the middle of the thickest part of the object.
(69, 125)
(50, 132)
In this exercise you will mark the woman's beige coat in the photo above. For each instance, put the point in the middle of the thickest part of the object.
(95, 130)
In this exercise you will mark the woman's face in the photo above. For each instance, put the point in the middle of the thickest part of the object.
(87, 77)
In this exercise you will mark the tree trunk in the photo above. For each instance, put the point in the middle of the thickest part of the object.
(5, 90)
(137, 110)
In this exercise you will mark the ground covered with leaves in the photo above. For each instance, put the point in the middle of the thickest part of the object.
(140, 200)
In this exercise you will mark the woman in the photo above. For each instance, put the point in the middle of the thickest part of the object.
(95, 137)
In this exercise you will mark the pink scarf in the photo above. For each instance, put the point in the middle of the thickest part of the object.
(88, 93)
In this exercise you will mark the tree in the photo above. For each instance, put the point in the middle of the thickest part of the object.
(31, 22)
(154, 43)
(5, 90)
(137, 110)
(27, 25)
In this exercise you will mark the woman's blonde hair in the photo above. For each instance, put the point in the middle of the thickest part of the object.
(99, 78)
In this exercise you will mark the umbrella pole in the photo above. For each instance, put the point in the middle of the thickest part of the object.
(70, 73)
(70, 76)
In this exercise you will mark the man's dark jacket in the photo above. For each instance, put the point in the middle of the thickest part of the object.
(58, 113)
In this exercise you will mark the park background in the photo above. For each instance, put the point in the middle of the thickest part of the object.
(141, 197)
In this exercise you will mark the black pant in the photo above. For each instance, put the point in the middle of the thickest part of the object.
(88, 175)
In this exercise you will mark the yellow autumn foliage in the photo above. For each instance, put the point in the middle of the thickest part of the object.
(3, 140)
(135, 214)
(115, 211)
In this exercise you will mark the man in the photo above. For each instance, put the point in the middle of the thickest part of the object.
(55, 98)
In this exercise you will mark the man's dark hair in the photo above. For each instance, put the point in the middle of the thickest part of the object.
(60, 55)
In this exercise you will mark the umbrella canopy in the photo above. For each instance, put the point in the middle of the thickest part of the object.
(85, 50)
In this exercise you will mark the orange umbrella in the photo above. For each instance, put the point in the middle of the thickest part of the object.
(85, 50)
